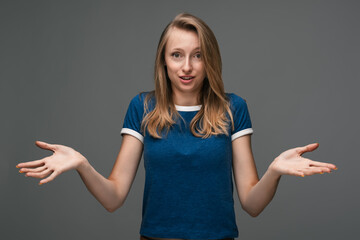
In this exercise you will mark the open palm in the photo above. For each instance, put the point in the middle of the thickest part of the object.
(291, 162)
(63, 159)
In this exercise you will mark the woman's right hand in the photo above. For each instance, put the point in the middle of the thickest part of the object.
(63, 159)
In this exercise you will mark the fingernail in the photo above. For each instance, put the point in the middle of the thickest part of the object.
(336, 168)
(17, 166)
(302, 176)
(321, 173)
(20, 171)
(40, 183)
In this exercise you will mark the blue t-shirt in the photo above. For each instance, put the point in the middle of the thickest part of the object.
(188, 182)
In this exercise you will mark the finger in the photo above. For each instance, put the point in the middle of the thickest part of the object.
(322, 164)
(47, 146)
(296, 173)
(39, 169)
(50, 178)
(308, 148)
(316, 170)
(36, 163)
(42, 174)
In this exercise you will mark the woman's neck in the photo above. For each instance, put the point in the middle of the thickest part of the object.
(186, 99)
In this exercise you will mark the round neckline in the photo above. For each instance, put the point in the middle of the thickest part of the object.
(188, 108)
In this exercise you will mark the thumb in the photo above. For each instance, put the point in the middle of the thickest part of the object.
(308, 148)
(46, 146)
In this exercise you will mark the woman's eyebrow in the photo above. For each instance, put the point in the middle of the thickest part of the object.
(180, 49)
(177, 49)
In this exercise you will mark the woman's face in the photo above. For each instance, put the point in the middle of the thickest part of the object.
(184, 62)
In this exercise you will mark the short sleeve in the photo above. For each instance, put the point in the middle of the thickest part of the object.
(133, 118)
(241, 117)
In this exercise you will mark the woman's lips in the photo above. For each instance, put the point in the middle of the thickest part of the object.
(186, 79)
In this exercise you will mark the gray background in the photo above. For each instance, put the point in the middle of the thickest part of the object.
(70, 68)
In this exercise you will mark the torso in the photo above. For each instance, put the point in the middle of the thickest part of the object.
(201, 202)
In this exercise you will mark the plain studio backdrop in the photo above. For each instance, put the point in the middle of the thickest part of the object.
(70, 68)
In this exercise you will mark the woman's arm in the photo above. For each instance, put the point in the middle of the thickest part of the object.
(255, 194)
(111, 192)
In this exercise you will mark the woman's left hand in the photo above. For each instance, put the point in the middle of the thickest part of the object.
(291, 162)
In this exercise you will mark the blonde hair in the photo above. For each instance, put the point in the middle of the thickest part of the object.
(211, 118)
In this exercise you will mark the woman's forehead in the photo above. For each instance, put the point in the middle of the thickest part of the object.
(182, 39)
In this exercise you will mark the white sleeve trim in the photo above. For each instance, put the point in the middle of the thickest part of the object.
(132, 133)
(241, 133)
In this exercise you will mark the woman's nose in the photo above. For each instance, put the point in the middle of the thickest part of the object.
(187, 67)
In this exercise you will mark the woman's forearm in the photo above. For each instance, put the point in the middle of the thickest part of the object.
(103, 189)
(261, 193)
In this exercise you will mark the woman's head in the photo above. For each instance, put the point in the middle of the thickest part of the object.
(184, 66)
(201, 48)
(208, 49)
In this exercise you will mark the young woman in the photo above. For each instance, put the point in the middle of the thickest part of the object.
(193, 136)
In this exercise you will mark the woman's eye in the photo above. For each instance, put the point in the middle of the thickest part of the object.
(176, 55)
(198, 55)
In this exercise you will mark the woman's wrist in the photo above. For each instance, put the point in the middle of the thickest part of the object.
(83, 165)
(272, 172)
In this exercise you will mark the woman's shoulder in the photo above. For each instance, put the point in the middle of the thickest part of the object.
(235, 99)
(142, 99)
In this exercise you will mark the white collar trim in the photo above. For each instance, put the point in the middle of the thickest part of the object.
(187, 108)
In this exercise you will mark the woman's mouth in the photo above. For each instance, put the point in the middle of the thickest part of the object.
(186, 79)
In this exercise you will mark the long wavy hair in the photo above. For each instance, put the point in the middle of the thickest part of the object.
(215, 116)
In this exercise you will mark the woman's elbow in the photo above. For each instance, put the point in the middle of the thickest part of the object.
(252, 212)
(112, 204)
(112, 209)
